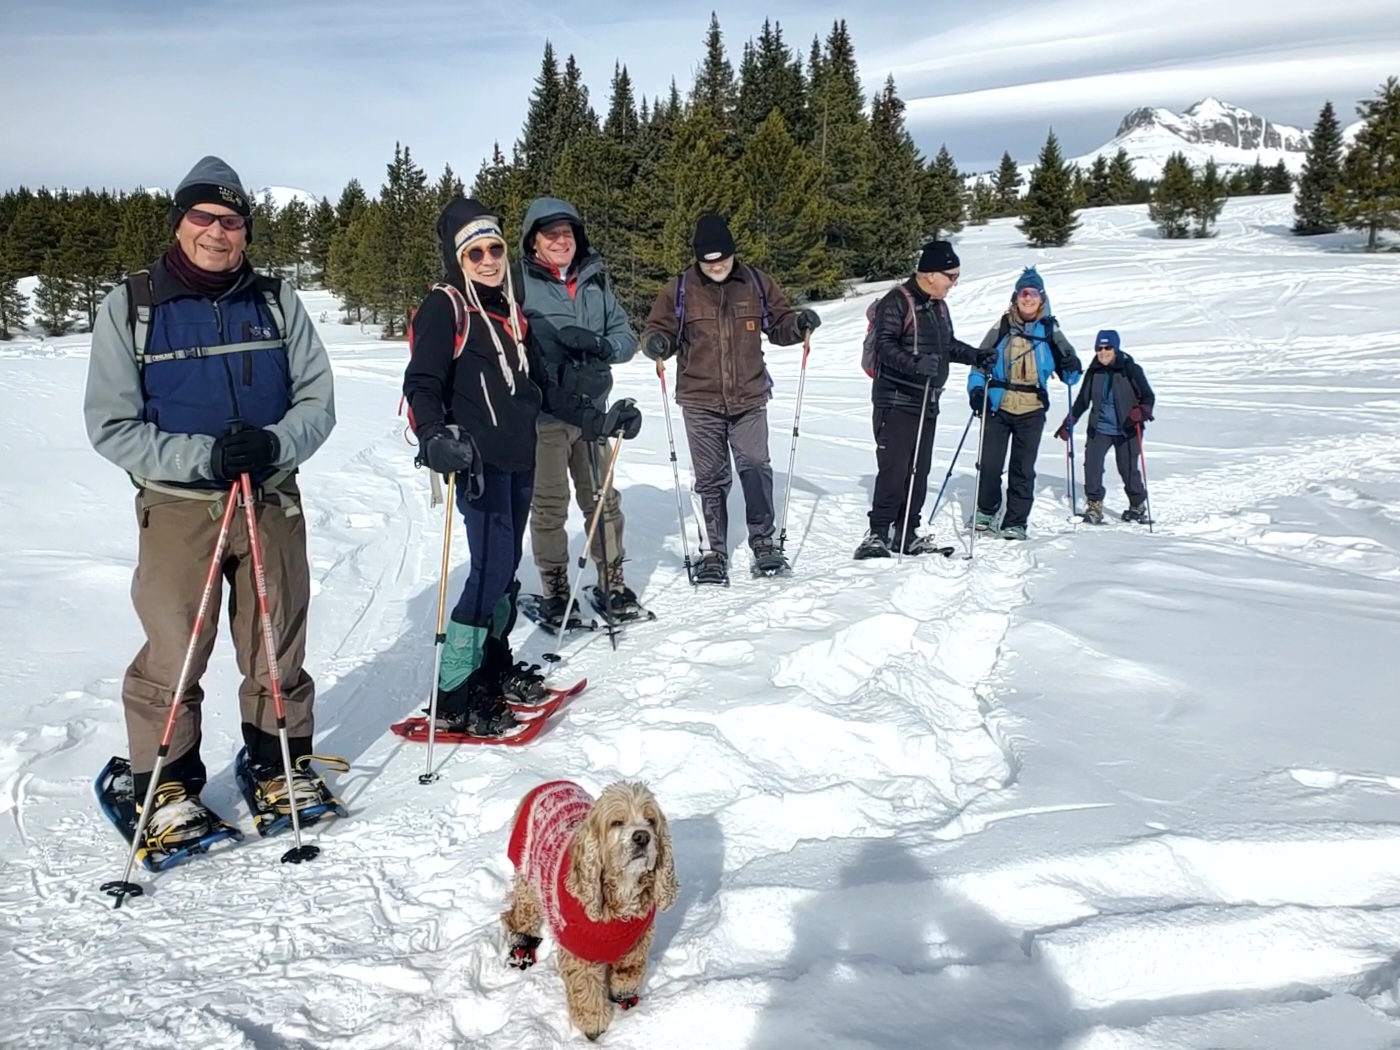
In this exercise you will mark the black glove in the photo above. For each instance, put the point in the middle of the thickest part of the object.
(244, 451)
(926, 365)
(585, 343)
(808, 321)
(1065, 428)
(624, 418)
(1139, 414)
(445, 449)
(658, 347)
(986, 359)
(977, 397)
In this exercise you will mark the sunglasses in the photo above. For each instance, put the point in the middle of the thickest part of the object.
(951, 275)
(497, 251)
(1102, 347)
(1028, 293)
(205, 218)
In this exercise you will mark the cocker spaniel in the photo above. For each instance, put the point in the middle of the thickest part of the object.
(594, 872)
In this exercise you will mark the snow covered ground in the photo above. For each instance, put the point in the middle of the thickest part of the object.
(1105, 790)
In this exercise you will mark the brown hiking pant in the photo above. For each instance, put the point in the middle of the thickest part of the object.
(559, 453)
(177, 538)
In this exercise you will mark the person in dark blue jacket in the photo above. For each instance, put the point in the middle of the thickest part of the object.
(201, 371)
(1119, 402)
(1029, 348)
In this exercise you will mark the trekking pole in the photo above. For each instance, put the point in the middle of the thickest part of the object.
(298, 852)
(981, 436)
(603, 541)
(440, 636)
(124, 887)
(796, 424)
(939, 498)
(675, 471)
(1069, 459)
(913, 473)
(1146, 497)
(587, 546)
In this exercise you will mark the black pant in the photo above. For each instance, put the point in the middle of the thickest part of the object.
(1022, 432)
(896, 430)
(1125, 448)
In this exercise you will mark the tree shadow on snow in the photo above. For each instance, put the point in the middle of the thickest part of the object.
(392, 684)
(891, 959)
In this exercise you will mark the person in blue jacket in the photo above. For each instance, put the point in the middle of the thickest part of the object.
(1030, 348)
(1119, 402)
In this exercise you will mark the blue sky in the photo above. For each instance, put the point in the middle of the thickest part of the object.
(309, 93)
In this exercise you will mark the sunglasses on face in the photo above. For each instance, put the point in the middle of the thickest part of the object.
(206, 218)
(1103, 348)
(496, 251)
(1028, 293)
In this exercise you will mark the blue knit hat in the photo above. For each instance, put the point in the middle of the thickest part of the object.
(1107, 337)
(1029, 279)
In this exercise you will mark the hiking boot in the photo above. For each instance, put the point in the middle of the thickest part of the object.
(178, 819)
(1137, 512)
(1014, 532)
(768, 559)
(477, 715)
(924, 544)
(712, 568)
(983, 522)
(876, 543)
(307, 791)
(523, 684)
(554, 601)
(1093, 512)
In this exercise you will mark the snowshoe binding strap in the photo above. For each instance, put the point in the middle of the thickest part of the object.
(522, 951)
(307, 788)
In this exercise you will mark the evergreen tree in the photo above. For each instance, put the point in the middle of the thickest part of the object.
(87, 248)
(143, 232)
(411, 261)
(13, 303)
(353, 200)
(842, 148)
(262, 253)
(779, 222)
(1047, 213)
(318, 245)
(291, 238)
(715, 86)
(1122, 183)
(1257, 180)
(1174, 198)
(56, 296)
(622, 124)
(536, 151)
(575, 117)
(501, 185)
(770, 77)
(694, 180)
(1099, 192)
(1322, 171)
(1279, 179)
(944, 198)
(448, 186)
(1209, 199)
(1368, 197)
(896, 196)
(1079, 186)
(982, 203)
(1008, 186)
(32, 232)
(1237, 185)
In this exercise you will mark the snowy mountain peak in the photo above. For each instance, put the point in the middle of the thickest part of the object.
(1211, 121)
(284, 195)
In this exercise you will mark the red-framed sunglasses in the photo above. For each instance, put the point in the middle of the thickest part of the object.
(496, 251)
(208, 218)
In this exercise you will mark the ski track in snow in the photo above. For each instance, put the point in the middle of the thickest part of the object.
(873, 847)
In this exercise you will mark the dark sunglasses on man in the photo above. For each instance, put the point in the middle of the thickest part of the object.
(207, 218)
(496, 250)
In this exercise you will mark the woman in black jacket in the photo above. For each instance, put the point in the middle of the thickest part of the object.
(1119, 402)
(474, 387)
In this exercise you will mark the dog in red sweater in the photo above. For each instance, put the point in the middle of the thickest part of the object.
(595, 872)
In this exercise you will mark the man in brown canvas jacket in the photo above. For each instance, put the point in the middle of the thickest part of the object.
(712, 318)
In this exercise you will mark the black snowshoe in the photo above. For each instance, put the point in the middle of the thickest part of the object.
(619, 605)
(876, 544)
(1137, 513)
(547, 612)
(769, 560)
(711, 569)
(916, 544)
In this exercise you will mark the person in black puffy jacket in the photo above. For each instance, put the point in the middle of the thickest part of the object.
(474, 412)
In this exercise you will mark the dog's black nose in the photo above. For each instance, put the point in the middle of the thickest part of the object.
(640, 838)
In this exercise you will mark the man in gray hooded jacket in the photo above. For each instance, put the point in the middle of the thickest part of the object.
(202, 371)
(581, 331)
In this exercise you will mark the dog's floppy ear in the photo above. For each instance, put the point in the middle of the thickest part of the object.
(665, 889)
(584, 881)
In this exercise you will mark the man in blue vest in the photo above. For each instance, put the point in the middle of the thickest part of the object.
(201, 371)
